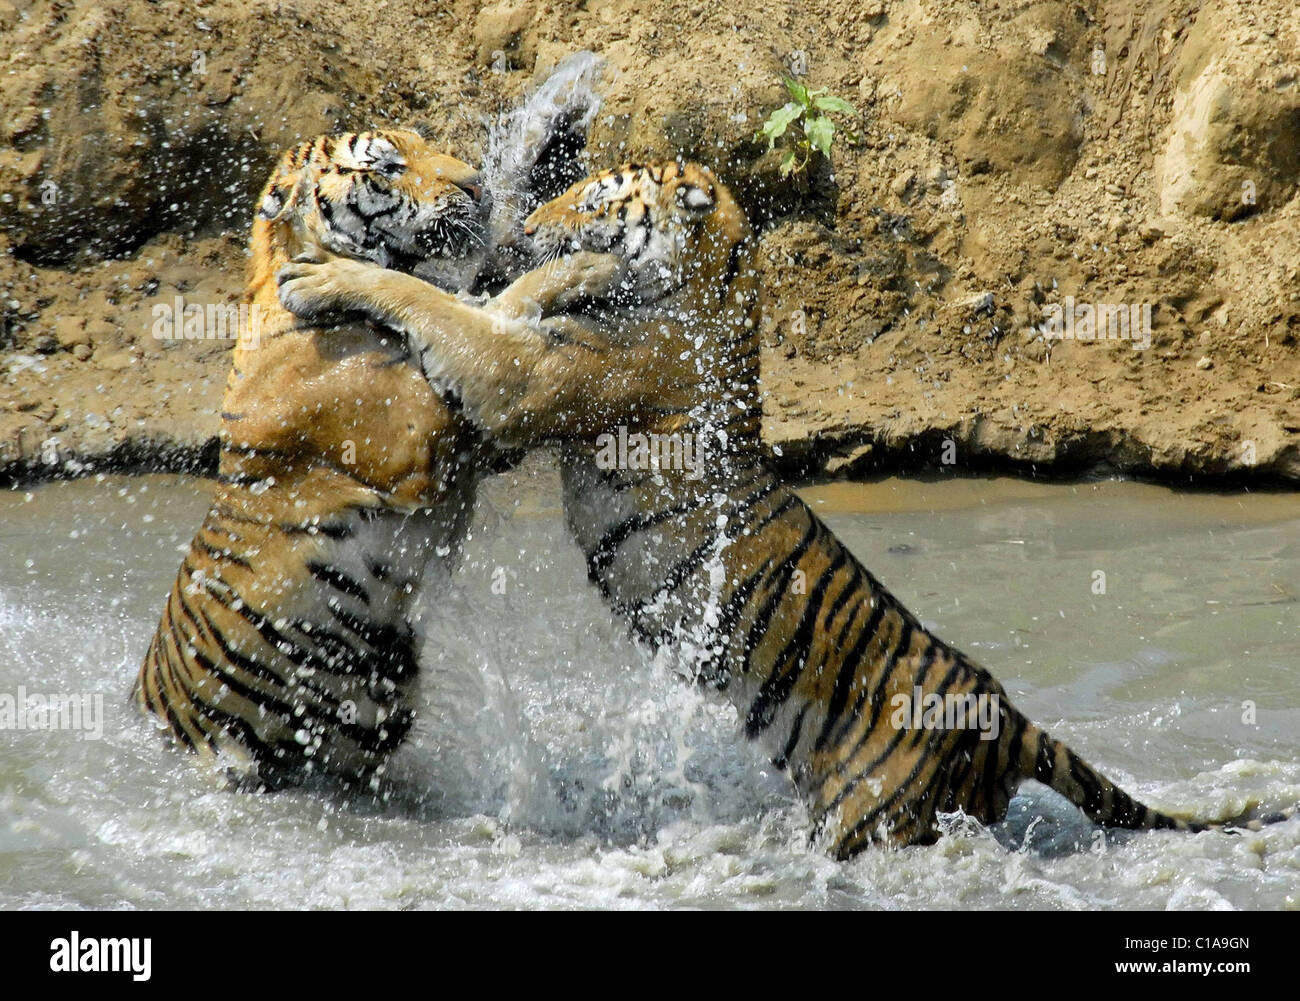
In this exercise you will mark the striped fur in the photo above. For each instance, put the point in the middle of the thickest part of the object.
(285, 646)
(722, 562)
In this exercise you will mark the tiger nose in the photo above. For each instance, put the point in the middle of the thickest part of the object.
(530, 230)
(472, 186)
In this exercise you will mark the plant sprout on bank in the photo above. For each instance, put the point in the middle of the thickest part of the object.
(808, 115)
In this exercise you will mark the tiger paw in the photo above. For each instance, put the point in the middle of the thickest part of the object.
(586, 276)
(560, 285)
(317, 291)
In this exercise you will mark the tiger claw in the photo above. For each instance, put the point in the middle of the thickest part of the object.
(308, 291)
(289, 272)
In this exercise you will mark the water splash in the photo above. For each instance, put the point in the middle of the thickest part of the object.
(536, 150)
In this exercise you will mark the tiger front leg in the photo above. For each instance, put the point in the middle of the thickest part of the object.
(317, 291)
(515, 379)
(322, 290)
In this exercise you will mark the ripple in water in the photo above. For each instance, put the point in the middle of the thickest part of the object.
(555, 765)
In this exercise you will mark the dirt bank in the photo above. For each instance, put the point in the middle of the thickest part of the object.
(1014, 159)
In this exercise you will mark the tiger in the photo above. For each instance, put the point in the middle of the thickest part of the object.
(724, 565)
(286, 647)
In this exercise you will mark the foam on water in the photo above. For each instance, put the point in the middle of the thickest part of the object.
(554, 765)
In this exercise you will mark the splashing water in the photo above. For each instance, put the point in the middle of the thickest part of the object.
(535, 151)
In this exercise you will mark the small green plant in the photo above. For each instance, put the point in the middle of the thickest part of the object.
(809, 114)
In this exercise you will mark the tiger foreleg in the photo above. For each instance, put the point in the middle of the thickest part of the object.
(323, 288)
(514, 378)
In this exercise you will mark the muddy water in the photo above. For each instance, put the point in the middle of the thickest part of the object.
(556, 766)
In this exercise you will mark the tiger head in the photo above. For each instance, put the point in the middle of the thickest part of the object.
(671, 223)
(381, 196)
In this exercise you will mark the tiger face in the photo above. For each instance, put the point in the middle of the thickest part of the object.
(666, 220)
(380, 196)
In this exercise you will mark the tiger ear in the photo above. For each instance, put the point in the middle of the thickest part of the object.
(288, 172)
(274, 201)
(696, 199)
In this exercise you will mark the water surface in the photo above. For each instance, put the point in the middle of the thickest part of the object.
(555, 765)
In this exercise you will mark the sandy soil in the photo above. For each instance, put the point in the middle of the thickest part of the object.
(1011, 154)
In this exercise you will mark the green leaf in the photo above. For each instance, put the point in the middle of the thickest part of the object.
(787, 162)
(820, 130)
(834, 104)
(778, 121)
(797, 90)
